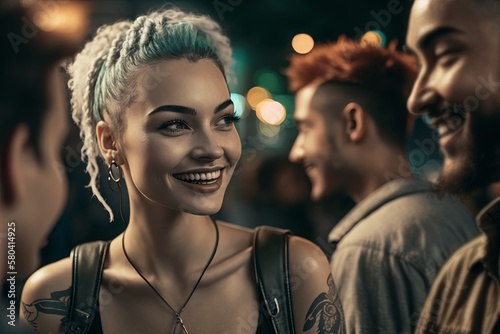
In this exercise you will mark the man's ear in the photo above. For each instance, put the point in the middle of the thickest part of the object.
(354, 122)
(107, 143)
(18, 166)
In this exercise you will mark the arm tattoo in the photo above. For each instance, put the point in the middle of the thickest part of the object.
(57, 304)
(326, 312)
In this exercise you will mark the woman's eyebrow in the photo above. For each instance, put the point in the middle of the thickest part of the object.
(189, 110)
(223, 106)
(174, 108)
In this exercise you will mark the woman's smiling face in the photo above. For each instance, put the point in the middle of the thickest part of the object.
(180, 145)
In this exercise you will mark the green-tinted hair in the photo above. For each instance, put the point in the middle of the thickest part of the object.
(104, 76)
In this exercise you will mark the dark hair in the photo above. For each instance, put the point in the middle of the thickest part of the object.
(382, 78)
(487, 2)
(488, 8)
(26, 58)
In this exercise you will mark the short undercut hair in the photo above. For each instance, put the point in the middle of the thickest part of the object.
(380, 79)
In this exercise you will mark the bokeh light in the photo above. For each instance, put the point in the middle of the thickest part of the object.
(288, 102)
(382, 37)
(269, 130)
(240, 105)
(268, 141)
(67, 18)
(302, 43)
(256, 95)
(271, 112)
(270, 80)
(374, 37)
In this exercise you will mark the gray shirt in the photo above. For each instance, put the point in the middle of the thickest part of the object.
(389, 249)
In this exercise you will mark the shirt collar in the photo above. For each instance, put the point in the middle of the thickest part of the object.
(489, 217)
(384, 194)
(489, 222)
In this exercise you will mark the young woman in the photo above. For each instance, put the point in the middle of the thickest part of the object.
(151, 99)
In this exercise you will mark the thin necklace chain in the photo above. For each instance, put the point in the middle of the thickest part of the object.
(177, 313)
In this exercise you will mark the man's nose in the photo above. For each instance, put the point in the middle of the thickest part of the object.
(422, 97)
(297, 152)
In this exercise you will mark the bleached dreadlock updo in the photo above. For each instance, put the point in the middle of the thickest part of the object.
(102, 75)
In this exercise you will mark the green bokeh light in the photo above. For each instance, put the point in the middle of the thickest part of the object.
(240, 105)
(382, 37)
(270, 80)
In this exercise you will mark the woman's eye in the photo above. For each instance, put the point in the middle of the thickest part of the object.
(228, 120)
(174, 125)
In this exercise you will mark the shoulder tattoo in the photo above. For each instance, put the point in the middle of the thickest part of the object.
(325, 313)
(57, 304)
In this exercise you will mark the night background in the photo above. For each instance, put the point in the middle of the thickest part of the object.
(266, 188)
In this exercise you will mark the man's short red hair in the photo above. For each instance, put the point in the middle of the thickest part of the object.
(384, 70)
(388, 73)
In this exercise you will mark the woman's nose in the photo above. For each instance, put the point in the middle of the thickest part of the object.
(208, 146)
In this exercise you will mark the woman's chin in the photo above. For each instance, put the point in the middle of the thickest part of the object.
(205, 210)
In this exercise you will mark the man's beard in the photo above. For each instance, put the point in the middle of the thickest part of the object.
(341, 176)
(479, 163)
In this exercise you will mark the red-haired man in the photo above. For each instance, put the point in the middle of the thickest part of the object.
(353, 123)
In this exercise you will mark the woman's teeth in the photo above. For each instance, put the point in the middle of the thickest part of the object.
(199, 178)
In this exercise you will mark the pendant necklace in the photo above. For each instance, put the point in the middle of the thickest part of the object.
(179, 320)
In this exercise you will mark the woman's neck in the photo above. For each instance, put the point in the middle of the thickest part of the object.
(168, 242)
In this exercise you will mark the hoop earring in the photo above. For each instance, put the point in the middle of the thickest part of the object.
(115, 176)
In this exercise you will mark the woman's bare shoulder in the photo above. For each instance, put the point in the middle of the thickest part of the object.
(303, 250)
(49, 278)
(313, 289)
(300, 249)
(46, 295)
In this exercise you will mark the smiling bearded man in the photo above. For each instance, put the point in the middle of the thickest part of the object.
(458, 89)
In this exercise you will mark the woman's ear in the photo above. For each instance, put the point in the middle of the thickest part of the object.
(354, 122)
(107, 143)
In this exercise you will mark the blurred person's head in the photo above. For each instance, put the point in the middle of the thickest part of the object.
(350, 110)
(457, 43)
(151, 96)
(33, 127)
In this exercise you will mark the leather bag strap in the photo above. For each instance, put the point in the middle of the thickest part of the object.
(88, 265)
(270, 253)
